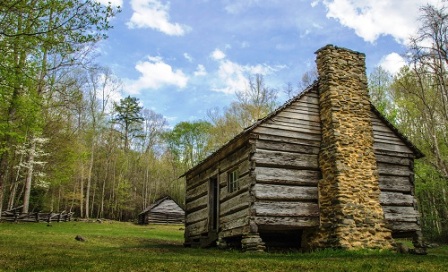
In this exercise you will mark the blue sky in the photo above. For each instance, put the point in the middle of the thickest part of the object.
(184, 57)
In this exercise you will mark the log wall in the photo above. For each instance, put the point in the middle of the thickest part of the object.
(396, 170)
(286, 167)
(233, 207)
(278, 169)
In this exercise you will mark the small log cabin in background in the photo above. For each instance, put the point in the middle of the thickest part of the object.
(163, 211)
(285, 180)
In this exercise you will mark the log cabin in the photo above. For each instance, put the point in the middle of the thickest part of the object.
(163, 211)
(326, 169)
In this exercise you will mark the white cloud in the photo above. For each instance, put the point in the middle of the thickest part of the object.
(188, 57)
(155, 73)
(233, 77)
(392, 63)
(238, 6)
(218, 54)
(371, 19)
(200, 70)
(154, 14)
(314, 3)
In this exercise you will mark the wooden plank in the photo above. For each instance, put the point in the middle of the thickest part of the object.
(233, 216)
(286, 176)
(285, 209)
(397, 145)
(391, 147)
(234, 232)
(303, 111)
(309, 98)
(404, 226)
(196, 216)
(236, 159)
(397, 213)
(394, 154)
(284, 192)
(287, 133)
(197, 228)
(393, 170)
(388, 139)
(287, 222)
(395, 184)
(385, 134)
(291, 127)
(300, 106)
(235, 224)
(396, 199)
(289, 147)
(197, 192)
(298, 122)
(197, 203)
(393, 160)
(196, 181)
(293, 114)
(236, 203)
(267, 157)
(278, 138)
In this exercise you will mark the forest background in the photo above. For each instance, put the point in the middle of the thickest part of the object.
(64, 145)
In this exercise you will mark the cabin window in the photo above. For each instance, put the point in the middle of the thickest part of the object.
(232, 181)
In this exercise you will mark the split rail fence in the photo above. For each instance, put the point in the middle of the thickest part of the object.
(15, 215)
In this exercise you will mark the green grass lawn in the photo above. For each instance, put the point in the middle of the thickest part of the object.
(114, 246)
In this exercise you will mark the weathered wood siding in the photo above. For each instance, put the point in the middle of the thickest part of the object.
(233, 207)
(166, 212)
(396, 169)
(278, 173)
(286, 167)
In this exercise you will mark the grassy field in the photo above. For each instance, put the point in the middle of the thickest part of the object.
(114, 246)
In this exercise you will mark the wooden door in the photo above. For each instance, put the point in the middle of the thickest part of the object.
(213, 204)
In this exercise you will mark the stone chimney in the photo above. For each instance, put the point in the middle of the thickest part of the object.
(351, 216)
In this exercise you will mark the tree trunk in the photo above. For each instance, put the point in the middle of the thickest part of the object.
(29, 177)
(81, 193)
(89, 181)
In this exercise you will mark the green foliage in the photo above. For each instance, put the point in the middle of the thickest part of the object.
(38, 40)
(128, 117)
(189, 142)
(252, 104)
(380, 92)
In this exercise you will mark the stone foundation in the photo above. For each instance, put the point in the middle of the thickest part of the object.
(351, 216)
(252, 242)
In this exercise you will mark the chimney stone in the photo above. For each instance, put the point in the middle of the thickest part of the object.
(351, 215)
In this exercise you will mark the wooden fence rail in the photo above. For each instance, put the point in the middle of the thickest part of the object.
(15, 216)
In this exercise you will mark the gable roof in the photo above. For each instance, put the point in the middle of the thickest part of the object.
(157, 203)
(418, 154)
(249, 129)
(246, 132)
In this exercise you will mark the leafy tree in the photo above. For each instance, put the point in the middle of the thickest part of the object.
(252, 104)
(38, 39)
(257, 101)
(189, 142)
(128, 117)
(380, 92)
(307, 80)
(420, 104)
